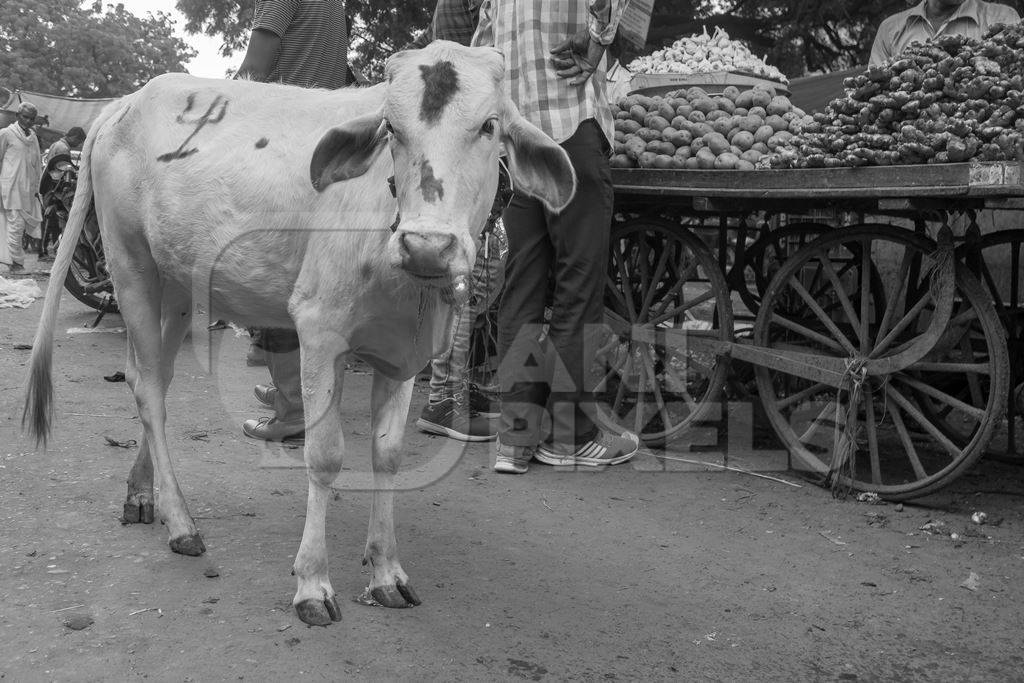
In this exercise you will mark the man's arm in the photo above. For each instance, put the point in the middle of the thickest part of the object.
(260, 56)
(604, 19)
(1004, 14)
(883, 47)
(578, 56)
(3, 147)
(881, 50)
(484, 35)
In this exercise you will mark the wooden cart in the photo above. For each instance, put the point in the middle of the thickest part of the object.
(881, 334)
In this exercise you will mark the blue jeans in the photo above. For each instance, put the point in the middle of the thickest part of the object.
(448, 370)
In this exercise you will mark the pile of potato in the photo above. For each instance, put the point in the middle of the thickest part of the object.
(692, 129)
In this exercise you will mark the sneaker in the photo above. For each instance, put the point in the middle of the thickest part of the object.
(603, 449)
(16, 267)
(482, 402)
(272, 429)
(448, 418)
(513, 459)
(265, 394)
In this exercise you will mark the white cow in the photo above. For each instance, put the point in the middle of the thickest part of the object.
(273, 203)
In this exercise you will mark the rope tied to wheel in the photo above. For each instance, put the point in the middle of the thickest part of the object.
(944, 257)
(842, 467)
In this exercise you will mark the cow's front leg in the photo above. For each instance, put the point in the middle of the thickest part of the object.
(389, 584)
(322, 373)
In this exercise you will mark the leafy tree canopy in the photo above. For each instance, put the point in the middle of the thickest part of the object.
(378, 27)
(798, 36)
(57, 46)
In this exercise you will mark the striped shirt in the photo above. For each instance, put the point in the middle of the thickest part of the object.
(971, 20)
(526, 30)
(314, 41)
(453, 20)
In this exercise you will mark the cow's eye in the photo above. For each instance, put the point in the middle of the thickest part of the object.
(489, 128)
(388, 127)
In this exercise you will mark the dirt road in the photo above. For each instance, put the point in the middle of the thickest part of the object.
(632, 573)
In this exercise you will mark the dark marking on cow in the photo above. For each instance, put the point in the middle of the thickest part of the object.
(261, 143)
(190, 102)
(440, 83)
(124, 113)
(431, 187)
(177, 154)
(214, 114)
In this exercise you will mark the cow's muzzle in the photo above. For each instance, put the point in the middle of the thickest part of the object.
(427, 254)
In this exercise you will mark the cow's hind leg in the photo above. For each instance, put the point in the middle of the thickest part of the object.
(147, 373)
(139, 505)
(322, 377)
(389, 584)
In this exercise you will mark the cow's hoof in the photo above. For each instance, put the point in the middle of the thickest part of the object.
(191, 545)
(399, 595)
(319, 612)
(138, 510)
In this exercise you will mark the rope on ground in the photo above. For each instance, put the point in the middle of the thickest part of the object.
(730, 468)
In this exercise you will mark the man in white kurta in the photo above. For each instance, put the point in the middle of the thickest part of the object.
(20, 168)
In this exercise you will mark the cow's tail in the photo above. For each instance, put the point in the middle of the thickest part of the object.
(37, 415)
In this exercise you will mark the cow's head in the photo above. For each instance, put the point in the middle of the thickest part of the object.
(445, 118)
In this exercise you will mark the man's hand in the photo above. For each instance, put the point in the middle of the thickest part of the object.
(577, 57)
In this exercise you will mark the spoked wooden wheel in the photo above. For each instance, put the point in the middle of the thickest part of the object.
(844, 392)
(998, 261)
(668, 310)
(763, 258)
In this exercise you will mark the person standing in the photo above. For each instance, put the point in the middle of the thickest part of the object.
(931, 18)
(20, 170)
(455, 407)
(73, 139)
(554, 67)
(303, 43)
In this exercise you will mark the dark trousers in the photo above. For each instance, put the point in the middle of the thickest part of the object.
(561, 258)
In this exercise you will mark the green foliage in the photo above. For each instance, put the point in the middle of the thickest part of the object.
(229, 20)
(382, 27)
(55, 46)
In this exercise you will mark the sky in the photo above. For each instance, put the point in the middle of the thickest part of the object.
(208, 63)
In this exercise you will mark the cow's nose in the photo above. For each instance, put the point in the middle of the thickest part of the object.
(427, 253)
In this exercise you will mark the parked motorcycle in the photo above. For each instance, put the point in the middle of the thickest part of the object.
(87, 279)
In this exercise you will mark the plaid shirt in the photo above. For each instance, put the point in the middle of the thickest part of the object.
(453, 20)
(526, 30)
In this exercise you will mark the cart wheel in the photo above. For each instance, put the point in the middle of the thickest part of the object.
(871, 434)
(998, 260)
(763, 258)
(668, 308)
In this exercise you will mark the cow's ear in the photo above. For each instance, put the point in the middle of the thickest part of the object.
(348, 150)
(540, 168)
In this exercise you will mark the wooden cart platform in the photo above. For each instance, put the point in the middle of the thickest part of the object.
(996, 184)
